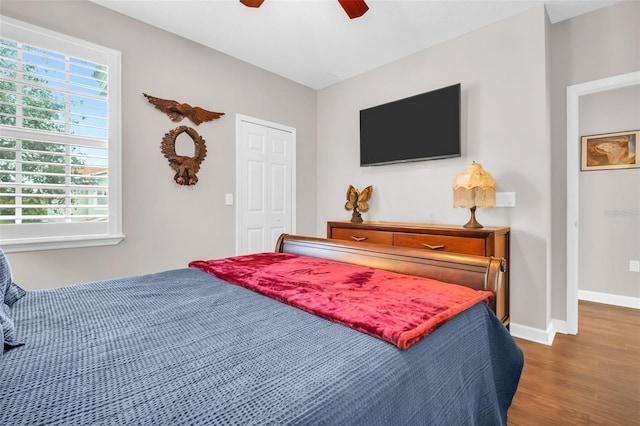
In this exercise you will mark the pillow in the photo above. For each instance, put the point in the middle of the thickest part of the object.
(8, 328)
(9, 291)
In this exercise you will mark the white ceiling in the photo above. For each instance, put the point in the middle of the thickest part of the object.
(314, 43)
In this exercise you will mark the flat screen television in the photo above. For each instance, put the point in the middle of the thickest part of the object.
(421, 127)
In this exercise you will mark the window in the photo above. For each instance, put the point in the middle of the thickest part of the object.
(59, 140)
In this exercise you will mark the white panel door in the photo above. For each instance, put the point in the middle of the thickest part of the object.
(265, 182)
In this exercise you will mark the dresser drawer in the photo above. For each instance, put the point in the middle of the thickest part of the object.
(465, 245)
(364, 235)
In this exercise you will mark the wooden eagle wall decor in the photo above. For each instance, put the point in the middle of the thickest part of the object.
(185, 167)
(358, 202)
(177, 111)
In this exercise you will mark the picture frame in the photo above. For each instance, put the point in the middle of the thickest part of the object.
(608, 151)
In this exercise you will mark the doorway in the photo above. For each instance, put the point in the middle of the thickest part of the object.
(573, 134)
(265, 183)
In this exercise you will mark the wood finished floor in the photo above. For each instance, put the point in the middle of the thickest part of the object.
(592, 378)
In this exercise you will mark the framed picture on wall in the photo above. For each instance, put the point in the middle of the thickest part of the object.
(610, 151)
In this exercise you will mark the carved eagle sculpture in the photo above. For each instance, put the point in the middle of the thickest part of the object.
(358, 202)
(177, 111)
(185, 167)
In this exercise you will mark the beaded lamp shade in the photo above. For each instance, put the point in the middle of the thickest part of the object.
(475, 187)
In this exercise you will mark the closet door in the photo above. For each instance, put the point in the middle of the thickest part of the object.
(265, 181)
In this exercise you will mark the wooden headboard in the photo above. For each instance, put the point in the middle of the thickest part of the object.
(477, 272)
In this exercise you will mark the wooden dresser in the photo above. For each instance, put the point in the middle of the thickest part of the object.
(487, 241)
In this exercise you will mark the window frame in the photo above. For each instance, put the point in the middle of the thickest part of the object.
(47, 236)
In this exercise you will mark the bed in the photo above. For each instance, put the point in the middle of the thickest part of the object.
(185, 347)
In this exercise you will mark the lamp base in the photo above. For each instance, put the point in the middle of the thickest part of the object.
(473, 223)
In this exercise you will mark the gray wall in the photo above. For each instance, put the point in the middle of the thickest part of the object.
(593, 46)
(167, 225)
(503, 70)
(514, 76)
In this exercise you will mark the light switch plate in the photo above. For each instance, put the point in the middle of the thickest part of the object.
(505, 199)
(634, 265)
(228, 199)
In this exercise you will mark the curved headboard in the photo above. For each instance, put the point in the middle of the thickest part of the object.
(477, 272)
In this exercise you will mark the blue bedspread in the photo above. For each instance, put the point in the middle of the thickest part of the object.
(184, 347)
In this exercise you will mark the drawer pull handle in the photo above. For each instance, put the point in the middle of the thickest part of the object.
(436, 247)
(358, 238)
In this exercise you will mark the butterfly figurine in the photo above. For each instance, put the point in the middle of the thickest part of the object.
(358, 202)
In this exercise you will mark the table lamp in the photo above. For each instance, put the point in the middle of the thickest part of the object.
(475, 187)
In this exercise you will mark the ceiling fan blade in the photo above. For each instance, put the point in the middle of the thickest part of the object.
(354, 8)
(252, 3)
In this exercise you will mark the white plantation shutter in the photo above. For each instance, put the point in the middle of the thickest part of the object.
(59, 140)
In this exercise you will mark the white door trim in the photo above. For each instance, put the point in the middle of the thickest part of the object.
(239, 159)
(573, 172)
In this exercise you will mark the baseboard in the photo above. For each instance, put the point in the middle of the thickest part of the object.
(546, 337)
(561, 326)
(537, 335)
(609, 299)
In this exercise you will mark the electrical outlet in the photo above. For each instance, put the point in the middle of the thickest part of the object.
(505, 199)
(634, 265)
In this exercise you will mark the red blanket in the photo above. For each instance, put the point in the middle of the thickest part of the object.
(400, 309)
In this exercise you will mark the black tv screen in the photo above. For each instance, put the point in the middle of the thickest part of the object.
(421, 127)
